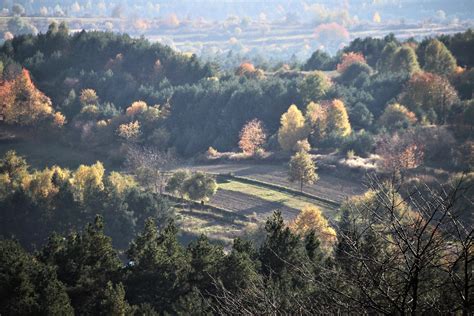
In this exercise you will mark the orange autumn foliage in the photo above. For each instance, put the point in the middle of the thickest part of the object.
(245, 68)
(400, 152)
(349, 59)
(22, 103)
(252, 136)
(136, 108)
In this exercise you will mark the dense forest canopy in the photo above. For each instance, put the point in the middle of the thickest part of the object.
(108, 237)
(196, 106)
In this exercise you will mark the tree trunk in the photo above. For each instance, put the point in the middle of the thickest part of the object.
(466, 304)
(415, 281)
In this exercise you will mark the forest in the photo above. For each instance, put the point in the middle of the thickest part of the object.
(112, 234)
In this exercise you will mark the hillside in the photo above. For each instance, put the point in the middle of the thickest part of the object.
(139, 180)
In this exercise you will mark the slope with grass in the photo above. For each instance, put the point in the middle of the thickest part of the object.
(331, 185)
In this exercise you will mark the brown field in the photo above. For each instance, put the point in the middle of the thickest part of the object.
(250, 205)
(257, 203)
(332, 186)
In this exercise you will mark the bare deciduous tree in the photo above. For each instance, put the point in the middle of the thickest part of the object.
(150, 165)
(405, 254)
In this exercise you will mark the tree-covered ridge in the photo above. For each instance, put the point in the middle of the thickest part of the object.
(113, 90)
(401, 110)
(60, 61)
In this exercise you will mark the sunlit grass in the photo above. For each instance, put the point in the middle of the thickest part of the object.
(214, 229)
(287, 199)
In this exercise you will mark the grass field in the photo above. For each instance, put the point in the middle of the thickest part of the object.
(40, 155)
(42, 152)
(254, 204)
(331, 185)
(217, 228)
(285, 199)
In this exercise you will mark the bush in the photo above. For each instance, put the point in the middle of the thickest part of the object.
(354, 71)
(360, 116)
(332, 140)
(439, 144)
(361, 143)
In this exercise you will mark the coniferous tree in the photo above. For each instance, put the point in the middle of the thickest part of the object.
(159, 268)
(28, 287)
(438, 59)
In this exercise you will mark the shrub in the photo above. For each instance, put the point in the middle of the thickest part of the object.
(211, 153)
(348, 59)
(361, 143)
(360, 116)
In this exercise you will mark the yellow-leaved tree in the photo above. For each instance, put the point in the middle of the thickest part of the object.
(44, 184)
(316, 120)
(397, 116)
(136, 107)
(120, 183)
(337, 118)
(129, 131)
(88, 97)
(87, 179)
(302, 169)
(312, 219)
(292, 128)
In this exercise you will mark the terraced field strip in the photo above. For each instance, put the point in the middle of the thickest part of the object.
(197, 222)
(330, 186)
(218, 224)
(323, 202)
(275, 195)
(225, 214)
(253, 207)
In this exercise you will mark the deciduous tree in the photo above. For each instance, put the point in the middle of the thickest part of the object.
(175, 183)
(88, 97)
(314, 87)
(292, 128)
(397, 116)
(150, 165)
(428, 93)
(137, 107)
(252, 137)
(311, 219)
(405, 60)
(200, 186)
(400, 152)
(348, 59)
(129, 131)
(302, 169)
(337, 118)
(22, 102)
(316, 120)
